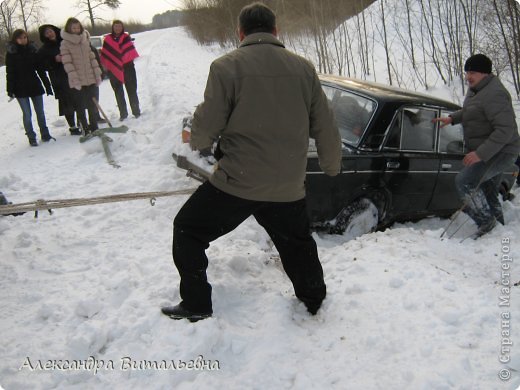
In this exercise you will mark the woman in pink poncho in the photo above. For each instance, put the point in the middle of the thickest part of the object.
(117, 56)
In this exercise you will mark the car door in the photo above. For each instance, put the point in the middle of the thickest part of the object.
(327, 196)
(451, 151)
(411, 162)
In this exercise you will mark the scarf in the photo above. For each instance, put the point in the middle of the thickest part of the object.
(116, 52)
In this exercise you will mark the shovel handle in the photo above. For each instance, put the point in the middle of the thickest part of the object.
(101, 111)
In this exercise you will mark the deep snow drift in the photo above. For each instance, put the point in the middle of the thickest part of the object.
(82, 288)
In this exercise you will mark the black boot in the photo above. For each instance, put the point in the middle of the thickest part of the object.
(75, 131)
(485, 227)
(33, 142)
(47, 138)
(46, 135)
(93, 127)
(179, 312)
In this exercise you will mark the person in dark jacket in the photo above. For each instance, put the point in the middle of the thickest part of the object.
(263, 103)
(117, 57)
(103, 76)
(23, 83)
(491, 136)
(50, 58)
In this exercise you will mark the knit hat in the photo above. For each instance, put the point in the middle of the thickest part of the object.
(478, 63)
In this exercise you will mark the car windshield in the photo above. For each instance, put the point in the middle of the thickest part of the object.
(352, 112)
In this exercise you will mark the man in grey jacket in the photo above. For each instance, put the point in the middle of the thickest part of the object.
(491, 136)
(262, 103)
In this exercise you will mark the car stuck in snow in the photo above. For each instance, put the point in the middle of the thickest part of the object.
(397, 163)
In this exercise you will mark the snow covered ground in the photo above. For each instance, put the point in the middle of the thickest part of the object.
(81, 289)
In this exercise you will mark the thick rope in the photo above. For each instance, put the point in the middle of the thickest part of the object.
(42, 204)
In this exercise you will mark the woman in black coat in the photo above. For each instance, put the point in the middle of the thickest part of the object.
(22, 71)
(50, 58)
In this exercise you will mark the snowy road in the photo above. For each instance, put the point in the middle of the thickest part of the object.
(405, 309)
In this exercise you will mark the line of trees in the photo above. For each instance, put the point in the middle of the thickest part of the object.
(215, 21)
(422, 42)
(441, 34)
(417, 43)
(411, 43)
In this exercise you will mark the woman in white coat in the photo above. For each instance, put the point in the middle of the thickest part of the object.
(83, 71)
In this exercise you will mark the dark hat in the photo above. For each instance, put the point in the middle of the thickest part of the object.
(478, 63)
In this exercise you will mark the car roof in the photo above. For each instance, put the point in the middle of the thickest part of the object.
(385, 92)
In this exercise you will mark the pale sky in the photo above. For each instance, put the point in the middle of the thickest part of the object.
(58, 11)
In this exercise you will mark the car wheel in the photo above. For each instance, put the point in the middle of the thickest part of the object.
(358, 218)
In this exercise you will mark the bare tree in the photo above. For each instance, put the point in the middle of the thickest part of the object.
(409, 29)
(508, 26)
(30, 11)
(471, 17)
(363, 43)
(90, 7)
(8, 9)
(385, 41)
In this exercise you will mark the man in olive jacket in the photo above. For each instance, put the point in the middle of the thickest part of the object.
(262, 103)
(491, 136)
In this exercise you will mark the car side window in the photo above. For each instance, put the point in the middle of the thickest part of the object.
(394, 138)
(418, 129)
(451, 138)
(413, 129)
(352, 113)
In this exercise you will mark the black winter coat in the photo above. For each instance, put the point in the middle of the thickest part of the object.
(47, 55)
(22, 71)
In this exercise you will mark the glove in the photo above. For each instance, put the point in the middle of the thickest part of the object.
(217, 152)
(206, 152)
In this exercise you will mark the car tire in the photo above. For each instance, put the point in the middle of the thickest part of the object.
(358, 218)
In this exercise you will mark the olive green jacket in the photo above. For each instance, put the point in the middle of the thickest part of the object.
(263, 103)
(488, 119)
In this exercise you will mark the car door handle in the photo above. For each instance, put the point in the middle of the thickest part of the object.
(393, 164)
(446, 166)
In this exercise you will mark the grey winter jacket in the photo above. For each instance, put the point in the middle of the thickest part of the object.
(488, 119)
(264, 102)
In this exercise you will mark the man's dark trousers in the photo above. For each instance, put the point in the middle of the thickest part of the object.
(211, 213)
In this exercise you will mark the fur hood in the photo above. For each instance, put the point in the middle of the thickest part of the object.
(14, 48)
(43, 38)
(75, 38)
